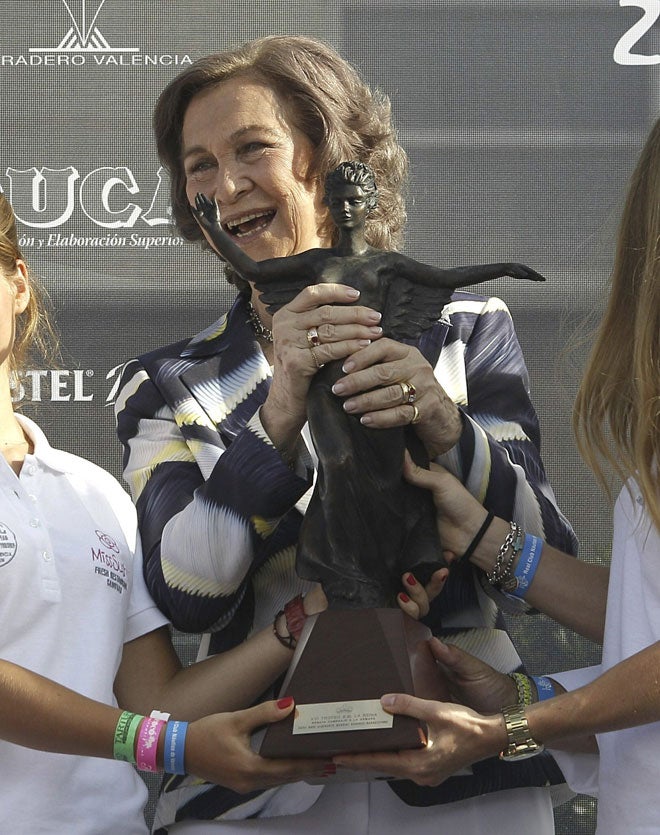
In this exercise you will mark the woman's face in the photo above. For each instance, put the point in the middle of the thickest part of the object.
(241, 149)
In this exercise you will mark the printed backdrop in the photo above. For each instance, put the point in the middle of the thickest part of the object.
(522, 119)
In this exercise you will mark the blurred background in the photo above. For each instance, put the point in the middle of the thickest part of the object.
(522, 119)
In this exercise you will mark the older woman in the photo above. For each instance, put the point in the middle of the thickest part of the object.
(216, 447)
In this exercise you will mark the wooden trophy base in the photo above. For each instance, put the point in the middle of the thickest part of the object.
(344, 662)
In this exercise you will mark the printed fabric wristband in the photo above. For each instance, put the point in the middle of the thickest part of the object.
(526, 567)
(125, 733)
(544, 687)
(147, 744)
(175, 746)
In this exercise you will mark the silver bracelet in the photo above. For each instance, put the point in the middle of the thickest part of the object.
(501, 570)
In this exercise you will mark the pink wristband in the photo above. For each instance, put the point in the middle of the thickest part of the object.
(147, 744)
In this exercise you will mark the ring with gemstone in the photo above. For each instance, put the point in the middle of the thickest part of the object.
(313, 339)
(408, 392)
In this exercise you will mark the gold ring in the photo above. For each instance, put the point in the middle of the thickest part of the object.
(313, 339)
(408, 392)
(315, 358)
(415, 417)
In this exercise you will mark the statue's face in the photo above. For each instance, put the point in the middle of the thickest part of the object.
(348, 206)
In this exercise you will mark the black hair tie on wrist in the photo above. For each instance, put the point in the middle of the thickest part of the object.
(477, 538)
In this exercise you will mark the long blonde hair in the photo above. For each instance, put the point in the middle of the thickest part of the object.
(35, 337)
(617, 410)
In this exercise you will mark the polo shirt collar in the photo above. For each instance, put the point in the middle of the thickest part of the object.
(53, 458)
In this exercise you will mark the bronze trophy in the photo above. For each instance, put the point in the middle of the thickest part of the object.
(365, 525)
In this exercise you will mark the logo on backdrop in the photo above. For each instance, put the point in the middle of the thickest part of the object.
(83, 42)
(84, 35)
(62, 385)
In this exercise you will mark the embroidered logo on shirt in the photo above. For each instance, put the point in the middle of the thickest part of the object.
(109, 565)
(8, 545)
(108, 541)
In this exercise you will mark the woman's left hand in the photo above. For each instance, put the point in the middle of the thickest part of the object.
(391, 384)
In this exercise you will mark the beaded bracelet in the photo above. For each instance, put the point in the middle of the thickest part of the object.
(524, 688)
(125, 733)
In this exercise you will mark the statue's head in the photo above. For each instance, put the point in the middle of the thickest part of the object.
(352, 174)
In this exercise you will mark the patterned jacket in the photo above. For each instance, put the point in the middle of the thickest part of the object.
(219, 509)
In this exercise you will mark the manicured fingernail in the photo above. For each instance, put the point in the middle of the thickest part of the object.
(366, 420)
(376, 331)
(404, 598)
(388, 700)
(338, 388)
(287, 701)
(349, 365)
(349, 406)
(352, 292)
(375, 316)
(410, 579)
(364, 343)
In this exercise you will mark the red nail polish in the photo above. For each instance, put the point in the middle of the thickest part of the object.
(404, 598)
(287, 701)
(411, 580)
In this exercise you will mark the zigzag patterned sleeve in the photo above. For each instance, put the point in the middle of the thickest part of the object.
(203, 536)
(498, 457)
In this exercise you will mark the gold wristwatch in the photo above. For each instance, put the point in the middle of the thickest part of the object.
(521, 743)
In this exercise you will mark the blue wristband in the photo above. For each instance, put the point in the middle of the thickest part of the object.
(526, 567)
(544, 687)
(175, 746)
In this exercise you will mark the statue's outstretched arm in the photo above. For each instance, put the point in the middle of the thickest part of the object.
(457, 277)
(206, 214)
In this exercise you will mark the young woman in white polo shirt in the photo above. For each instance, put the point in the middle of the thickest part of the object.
(74, 610)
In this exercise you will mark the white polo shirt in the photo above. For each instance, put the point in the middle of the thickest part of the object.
(71, 594)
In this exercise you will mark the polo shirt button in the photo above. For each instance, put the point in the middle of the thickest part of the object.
(32, 497)
(32, 469)
(46, 556)
(34, 523)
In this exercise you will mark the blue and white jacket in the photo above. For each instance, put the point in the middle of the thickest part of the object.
(219, 509)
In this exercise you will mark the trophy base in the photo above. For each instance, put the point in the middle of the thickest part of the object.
(344, 662)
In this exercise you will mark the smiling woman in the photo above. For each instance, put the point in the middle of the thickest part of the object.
(217, 449)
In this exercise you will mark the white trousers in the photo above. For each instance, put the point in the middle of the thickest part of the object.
(374, 809)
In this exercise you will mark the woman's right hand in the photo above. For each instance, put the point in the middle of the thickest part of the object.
(343, 327)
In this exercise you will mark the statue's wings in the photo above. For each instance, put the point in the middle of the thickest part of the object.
(412, 308)
(277, 293)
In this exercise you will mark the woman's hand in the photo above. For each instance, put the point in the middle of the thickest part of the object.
(375, 387)
(342, 328)
(416, 599)
(218, 750)
(457, 737)
(459, 515)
